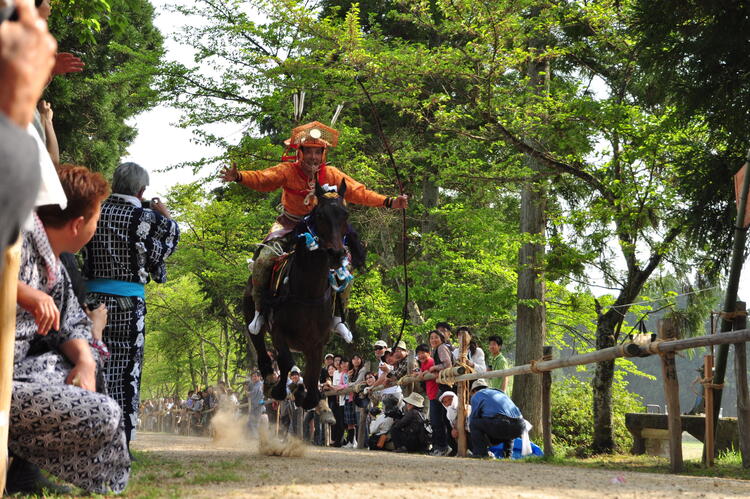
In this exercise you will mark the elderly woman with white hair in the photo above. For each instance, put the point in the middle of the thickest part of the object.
(129, 248)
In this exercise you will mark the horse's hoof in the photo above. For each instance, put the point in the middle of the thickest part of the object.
(327, 418)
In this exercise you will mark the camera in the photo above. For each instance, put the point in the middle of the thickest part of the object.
(7, 9)
(92, 303)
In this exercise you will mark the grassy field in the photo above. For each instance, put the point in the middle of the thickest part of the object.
(170, 466)
(727, 465)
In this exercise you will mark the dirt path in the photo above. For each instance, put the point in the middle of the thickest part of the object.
(182, 466)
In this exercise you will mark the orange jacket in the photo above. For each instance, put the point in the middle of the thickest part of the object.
(289, 176)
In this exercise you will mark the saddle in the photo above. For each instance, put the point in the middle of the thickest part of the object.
(278, 285)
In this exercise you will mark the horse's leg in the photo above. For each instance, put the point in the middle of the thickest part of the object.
(313, 361)
(285, 361)
(325, 412)
(248, 311)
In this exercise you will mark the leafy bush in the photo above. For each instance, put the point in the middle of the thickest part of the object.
(573, 419)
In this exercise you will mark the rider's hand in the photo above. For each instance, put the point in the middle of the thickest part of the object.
(41, 306)
(230, 174)
(401, 202)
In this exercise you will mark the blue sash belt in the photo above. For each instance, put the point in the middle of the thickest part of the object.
(118, 288)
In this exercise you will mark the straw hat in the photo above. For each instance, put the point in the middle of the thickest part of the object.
(415, 399)
(480, 383)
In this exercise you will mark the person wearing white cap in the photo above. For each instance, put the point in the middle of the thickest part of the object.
(410, 433)
(379, 349)
(494, 419)
(290, 411)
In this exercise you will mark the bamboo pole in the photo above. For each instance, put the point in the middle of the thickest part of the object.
(462, 394)
(668, 331)
(8, 289)
(624, 350)
(708, 370)
(743, 393)
(733, 283)
(547, 404)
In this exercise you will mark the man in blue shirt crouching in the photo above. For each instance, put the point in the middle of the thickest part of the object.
(494, 419)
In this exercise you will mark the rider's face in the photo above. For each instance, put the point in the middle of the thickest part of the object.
(312, 157)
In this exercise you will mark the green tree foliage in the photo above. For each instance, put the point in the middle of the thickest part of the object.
(445, 226)
(572, 413)
(694, 55)
(92, 108)
(450, 80)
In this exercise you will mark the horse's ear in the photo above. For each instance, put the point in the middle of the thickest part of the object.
(342, 188)
(319, 190)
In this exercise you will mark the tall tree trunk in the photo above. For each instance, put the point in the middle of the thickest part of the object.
(430, 193)
(204, 366)
(531, 326)
(193, 381)
(227, 352)
(602, 385)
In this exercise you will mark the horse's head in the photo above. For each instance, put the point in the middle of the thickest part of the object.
(331, 218)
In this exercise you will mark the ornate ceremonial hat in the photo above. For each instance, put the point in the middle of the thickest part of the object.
(314, 134)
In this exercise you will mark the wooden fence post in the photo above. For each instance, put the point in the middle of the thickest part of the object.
(8, 287)
(743, 394)
(362, 428)
(547, 404)
(668, 331)
(463, 388)
(708, 398)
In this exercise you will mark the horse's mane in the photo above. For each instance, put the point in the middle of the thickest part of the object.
(353, 241)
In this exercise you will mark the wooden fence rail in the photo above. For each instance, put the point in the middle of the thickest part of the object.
(665, 346)
(623, 350)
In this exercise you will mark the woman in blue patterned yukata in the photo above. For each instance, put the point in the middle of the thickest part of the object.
(57, 420)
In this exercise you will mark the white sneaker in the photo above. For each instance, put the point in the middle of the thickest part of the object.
(340, 328)
(257, 324)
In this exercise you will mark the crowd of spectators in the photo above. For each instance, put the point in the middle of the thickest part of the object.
(369, 403)
(191, 415)
(79, 332)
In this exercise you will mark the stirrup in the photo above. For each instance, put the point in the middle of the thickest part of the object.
(340, 328)
(257, 324)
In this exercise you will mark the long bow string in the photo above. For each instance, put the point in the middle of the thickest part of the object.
(400, 184)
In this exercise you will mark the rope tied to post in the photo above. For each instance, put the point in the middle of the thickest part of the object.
(653, 347)
(533, 368)
(709, 383)
(733, 315)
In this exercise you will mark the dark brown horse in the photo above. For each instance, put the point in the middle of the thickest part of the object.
(300, 319)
